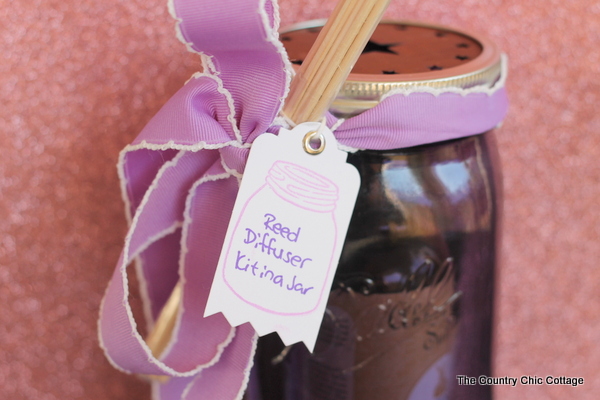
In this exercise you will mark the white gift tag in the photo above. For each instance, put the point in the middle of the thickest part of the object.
(285, 235)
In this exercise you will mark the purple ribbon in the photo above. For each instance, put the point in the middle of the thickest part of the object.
(181, 174)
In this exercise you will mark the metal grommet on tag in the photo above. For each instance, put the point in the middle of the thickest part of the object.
(312, 137)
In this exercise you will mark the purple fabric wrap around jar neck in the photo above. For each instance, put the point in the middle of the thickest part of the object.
(180, 178)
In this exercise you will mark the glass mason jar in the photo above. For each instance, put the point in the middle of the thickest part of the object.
(411, 305)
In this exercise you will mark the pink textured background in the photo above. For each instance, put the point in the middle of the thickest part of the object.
(79, 79)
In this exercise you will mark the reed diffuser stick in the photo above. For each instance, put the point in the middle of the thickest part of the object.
(159, 337)
(331, 58)
(316, 84)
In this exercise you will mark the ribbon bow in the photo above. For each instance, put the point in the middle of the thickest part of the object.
(181, 174)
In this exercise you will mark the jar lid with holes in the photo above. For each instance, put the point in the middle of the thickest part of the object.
(404, 55)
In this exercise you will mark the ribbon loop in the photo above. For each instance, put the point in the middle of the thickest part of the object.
(239, 42)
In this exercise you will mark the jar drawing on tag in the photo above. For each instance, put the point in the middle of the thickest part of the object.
(281, 251)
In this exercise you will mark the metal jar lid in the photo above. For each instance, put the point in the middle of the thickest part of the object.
(404, 55)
